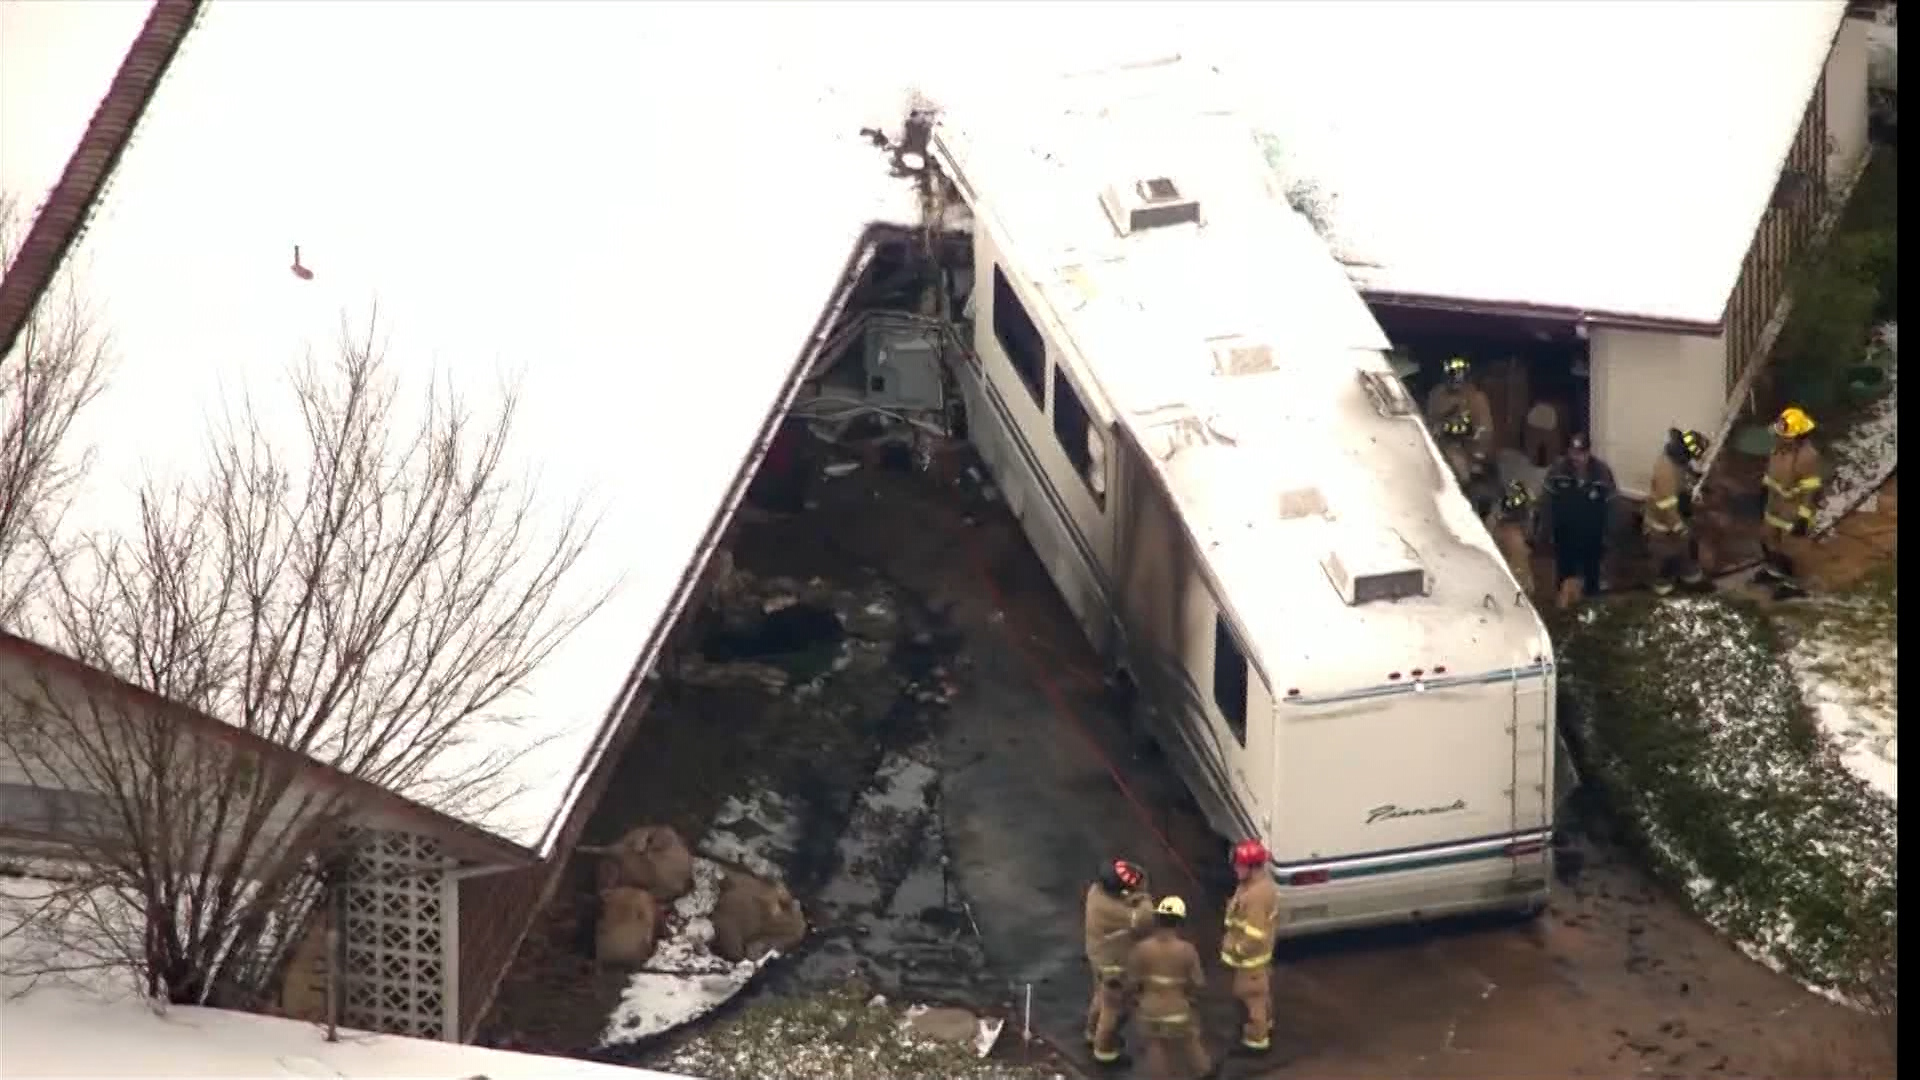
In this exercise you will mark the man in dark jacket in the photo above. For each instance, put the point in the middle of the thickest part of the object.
(1579, 498)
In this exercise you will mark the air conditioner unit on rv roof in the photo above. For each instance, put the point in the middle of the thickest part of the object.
(1369, 565)
(1154, 203)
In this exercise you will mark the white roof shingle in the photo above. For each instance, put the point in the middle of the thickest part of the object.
(641, 209)
(1612, 158)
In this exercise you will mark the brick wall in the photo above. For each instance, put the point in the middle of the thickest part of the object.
(497, 909)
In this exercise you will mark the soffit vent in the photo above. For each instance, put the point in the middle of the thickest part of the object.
(1154, 203)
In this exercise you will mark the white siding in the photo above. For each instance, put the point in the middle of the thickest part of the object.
(1846, 77)
(23, 680)
(1643, 384)
(1076, 571)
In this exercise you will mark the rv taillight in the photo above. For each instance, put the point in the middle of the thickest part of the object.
(1307, 877)
(1520, 849)
(1293, 693)
(1439, 669)
(1417, 672)
(1394, 676)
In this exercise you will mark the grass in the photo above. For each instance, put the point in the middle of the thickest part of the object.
(839, 1035)
(1694, 730)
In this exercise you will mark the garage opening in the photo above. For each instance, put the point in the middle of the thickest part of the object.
(1534, 373)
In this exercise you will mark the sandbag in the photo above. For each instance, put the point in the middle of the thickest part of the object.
(650, 857)
(629, 920)
(753, 917)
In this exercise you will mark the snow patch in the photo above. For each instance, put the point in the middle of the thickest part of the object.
(684, 980)
(760, 832)
(1869, 451)
(1864, 726)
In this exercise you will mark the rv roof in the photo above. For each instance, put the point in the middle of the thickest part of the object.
(1241, 454)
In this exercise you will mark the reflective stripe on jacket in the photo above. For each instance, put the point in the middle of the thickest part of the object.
(1164, 970)
(1793, 483)
(1446, 400)
(1662, 514)
(1252, 915)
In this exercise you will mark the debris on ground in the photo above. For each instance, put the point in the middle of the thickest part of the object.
(628, 923)
(684, 980)
(838, 1035)
(1692, 723)
(889, 913)
(755, 918)
(950, 1025)
(650, 857)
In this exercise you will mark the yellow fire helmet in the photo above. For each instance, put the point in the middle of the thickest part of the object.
(1793, 422)
(1173, 907)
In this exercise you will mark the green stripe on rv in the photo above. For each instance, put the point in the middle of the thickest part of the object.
(1428, 862)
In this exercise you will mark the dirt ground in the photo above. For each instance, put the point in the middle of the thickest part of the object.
(1036, 786)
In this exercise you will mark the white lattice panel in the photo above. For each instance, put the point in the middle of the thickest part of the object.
(395, 972)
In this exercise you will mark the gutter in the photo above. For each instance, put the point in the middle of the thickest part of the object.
(1513, 309)
(63, 218)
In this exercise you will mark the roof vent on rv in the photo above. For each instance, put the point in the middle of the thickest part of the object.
(1374, 565)
(1148, 204)
(1387, 393)
(1302, 503)
(1240, 356)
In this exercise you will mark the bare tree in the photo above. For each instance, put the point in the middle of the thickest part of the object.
(57, 367)
(367, 599)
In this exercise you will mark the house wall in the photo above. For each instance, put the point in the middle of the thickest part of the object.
(1643, 383)
(401, 939)
(46, 775)
(1846, 90)
(496, 910)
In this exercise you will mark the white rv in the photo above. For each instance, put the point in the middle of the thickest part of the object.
(1193, 415)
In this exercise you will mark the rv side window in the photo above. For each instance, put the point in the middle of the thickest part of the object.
(1013, 328)
(1230, 678)
(1077, 436)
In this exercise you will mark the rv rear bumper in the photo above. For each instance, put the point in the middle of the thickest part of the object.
(1502, 874)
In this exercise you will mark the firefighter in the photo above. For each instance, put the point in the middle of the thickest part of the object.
(1579, 501)
(1793, 487)
(1668, 518)
(1461, 416)
(1163, 974)
(1511, 527)
(1247, 945)
(1119, 911)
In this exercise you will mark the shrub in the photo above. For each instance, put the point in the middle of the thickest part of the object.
(1844, 289)
(1695, 733)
